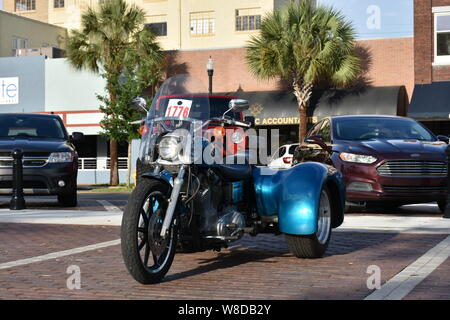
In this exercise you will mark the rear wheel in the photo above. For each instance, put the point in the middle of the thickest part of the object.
(146, 254)
(314, 245)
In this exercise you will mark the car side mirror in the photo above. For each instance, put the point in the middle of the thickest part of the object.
(318, 139)
(139, 104)
(443, 138)
(77, 136)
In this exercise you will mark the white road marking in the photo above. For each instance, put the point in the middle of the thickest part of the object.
(108, 205)
(75, 217)
(58, 254)
(395, 224)
(405, 281)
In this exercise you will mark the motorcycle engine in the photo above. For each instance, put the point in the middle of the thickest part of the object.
(231, 223)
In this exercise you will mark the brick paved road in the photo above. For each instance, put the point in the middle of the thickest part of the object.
(253, 268)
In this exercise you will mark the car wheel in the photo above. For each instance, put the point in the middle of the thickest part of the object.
(442, 205)
(68, 199)
(314, 245)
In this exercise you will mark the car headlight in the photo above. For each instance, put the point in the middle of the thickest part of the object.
(57, 157)
(358, 158)
(169, 148)
(237, 137)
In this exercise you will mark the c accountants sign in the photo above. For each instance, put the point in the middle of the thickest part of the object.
(9, 90)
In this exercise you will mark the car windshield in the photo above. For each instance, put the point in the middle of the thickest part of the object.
(30, 126)
(380, 128)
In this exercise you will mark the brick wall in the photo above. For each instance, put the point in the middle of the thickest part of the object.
(425, 72)
(388, 62)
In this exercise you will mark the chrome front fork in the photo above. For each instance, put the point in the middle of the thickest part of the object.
(178, 182)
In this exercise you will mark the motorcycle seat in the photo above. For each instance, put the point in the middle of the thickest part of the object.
(235, 172)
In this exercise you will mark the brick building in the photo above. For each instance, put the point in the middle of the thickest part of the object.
(431, 100)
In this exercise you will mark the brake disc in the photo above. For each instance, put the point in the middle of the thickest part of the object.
(156, 242)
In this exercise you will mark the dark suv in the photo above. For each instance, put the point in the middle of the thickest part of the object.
(50, 162)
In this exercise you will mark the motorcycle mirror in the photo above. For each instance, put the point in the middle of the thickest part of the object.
(237, 105)
(139, 104)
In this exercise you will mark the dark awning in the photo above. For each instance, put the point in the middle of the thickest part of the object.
(271, 107)
(430, 101)
(368, 100)
(280, 107)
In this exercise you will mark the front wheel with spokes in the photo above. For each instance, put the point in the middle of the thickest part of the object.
(146, 254)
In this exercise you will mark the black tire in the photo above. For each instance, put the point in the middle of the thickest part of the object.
(314, 245)
(442, 205)
(137, 228)
(68, 199)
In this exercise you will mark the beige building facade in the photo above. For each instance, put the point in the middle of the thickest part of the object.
(181, 24)
(23, 33)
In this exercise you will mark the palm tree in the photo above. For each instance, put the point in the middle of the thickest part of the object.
(109, 37)
(304, 44)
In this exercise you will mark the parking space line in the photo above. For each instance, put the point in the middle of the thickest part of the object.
(405, 281)
(108, 205)
(58, 254)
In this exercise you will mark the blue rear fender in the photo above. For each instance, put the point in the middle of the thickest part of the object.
(294, 195)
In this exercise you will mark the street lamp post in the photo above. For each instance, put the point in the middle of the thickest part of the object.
(447, 209)
(210, 68)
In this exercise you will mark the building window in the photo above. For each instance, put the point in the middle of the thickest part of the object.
(202, 23)
(58, 4)
(248, 19)
(442, 37)
(25, 5)
(19, 43)
(158, 28)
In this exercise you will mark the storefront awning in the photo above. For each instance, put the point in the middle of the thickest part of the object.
(430, 101)
(271, 107)
(368, 100)
(280, 107)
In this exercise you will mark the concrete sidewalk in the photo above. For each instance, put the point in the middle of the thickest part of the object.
(75, 217)
(366, 223)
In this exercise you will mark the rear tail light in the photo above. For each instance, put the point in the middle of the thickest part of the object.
(287, 160)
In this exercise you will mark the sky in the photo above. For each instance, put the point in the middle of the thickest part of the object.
(1, 4)
(378, 19)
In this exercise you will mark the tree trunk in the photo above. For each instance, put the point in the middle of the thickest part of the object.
(303, 93)
(114, 169)
(302, 123)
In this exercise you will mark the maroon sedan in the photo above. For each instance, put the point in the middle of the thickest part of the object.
(386, 161)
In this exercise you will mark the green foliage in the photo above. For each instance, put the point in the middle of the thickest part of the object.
(305, 44)
(114, 43)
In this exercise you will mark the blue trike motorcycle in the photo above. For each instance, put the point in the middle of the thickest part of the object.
(197, 197)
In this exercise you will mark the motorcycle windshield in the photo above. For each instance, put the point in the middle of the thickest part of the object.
(181, 105)
(181, 96)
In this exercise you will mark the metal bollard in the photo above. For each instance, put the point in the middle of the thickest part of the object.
(17, 199)
(447, 209)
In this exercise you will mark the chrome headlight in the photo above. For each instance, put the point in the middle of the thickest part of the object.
(357, 158)
(169, 148)
(56, 157)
